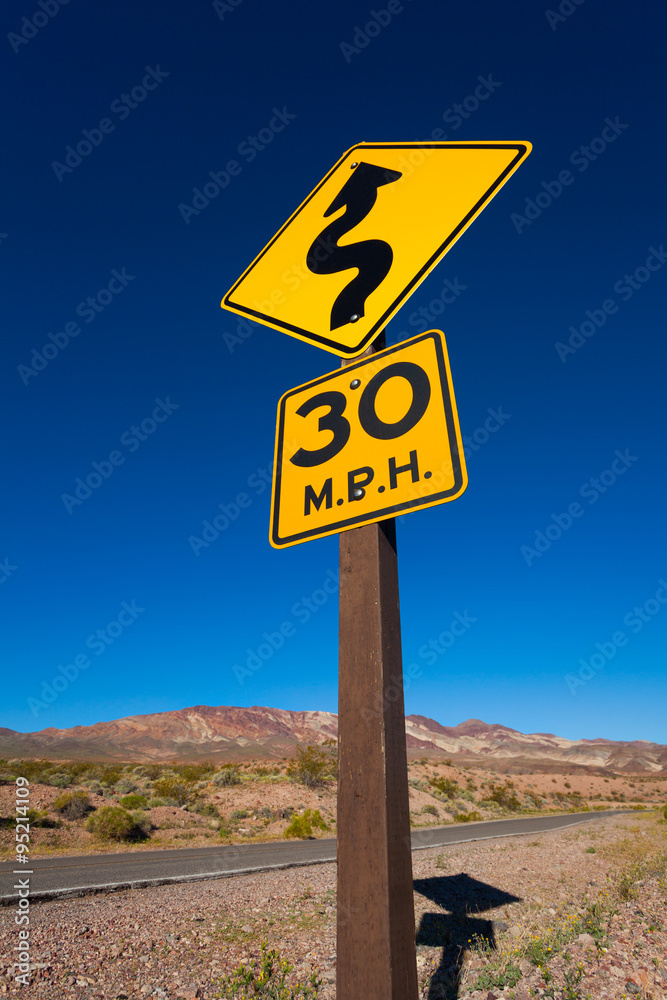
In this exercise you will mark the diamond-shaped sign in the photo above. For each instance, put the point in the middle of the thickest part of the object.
(367, 236)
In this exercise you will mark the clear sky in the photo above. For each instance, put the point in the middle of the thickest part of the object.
(112, 322)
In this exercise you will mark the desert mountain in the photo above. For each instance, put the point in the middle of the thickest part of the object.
(229, 733)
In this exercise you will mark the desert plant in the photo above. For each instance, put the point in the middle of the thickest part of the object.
(57, 779)
(313, 764)
(445, 787)
(134, 802)
(178, 792)
(114, 823)
(206, 809)
(40, 817)
(302, 825)
(505, 795)
(239, 814)
(267, 981)
(72, 805)
(226, 777)
(125, 786)
(110, 775)
(470, 817)
(193, 772)
(430, 810)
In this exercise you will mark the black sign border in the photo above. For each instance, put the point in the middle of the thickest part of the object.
(438, 339)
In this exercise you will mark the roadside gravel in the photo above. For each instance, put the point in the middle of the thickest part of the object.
(177, 941)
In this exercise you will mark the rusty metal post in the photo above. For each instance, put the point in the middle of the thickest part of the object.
(376, 926)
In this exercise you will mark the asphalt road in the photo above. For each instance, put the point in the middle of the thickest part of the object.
(76, 876)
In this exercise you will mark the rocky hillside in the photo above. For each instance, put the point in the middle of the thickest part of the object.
(230, 733)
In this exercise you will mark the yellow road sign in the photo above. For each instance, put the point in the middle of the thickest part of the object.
(367, 236)
(377, 438)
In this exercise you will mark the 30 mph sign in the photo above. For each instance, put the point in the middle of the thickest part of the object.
(367, 236)
(374, 439)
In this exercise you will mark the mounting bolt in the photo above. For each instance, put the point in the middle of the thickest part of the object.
(355, 383)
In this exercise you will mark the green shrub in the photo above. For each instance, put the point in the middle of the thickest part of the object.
(268, 981)
(193, 772)
(206, 809)
(142, 825)
(445, 787)
(664, 811)
(156, 803)
(239, 814)
(313, 765)
(134, 802)
(431, 810)
(125, 786)
(302, 826)
(470, 817)
(40, 817)
(110, 775)
(153, 771)
(505, 795)
(179, 792)
(57, 780)
(114, 823)
(72, 805)
(226, 777)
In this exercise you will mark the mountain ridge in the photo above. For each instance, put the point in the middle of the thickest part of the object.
(236, 732)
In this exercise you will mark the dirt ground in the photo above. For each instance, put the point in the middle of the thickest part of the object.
(568, 915)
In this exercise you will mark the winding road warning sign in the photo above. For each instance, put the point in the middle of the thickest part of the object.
(367, 236)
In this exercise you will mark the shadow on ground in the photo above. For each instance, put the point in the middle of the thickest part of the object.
(463, 897)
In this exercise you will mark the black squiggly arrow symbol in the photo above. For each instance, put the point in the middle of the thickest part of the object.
(372, 257)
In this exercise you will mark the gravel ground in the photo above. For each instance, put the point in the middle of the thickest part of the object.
(177, 941)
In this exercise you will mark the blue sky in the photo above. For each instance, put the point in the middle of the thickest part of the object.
(101, 265)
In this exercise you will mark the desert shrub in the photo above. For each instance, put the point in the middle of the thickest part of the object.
(110, 775)
(471, 817)
(36, 771)
(505, 796)
(153, 771)
(134, 802)
(430, 810)
(193, 772)
(114, 823)
(467, 794)
(302, 826)
(664, 811)
(72, 805)
(39, 817)
(240, 814)
(445, 787)
(156, 803)
(227, 776)
(266, 981)
(179, 792)
(125, 786)
(142, 824)
(57, 779)
(206, 809)
(313, 765)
